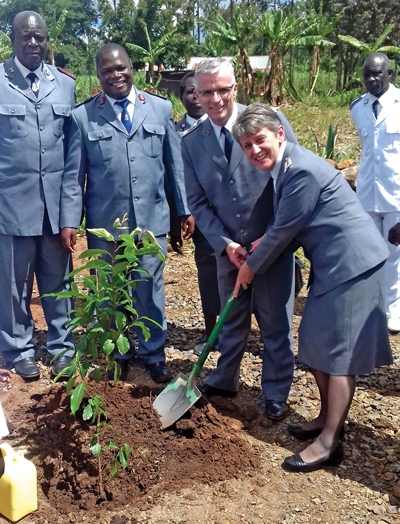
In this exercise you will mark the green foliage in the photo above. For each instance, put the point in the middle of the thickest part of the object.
(101, 325)
(6, 49)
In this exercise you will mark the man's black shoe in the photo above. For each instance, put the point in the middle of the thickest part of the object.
(27, 368)
(123, 364)
(159, 371)
(211, 391)
(276, 410)
(59, 364)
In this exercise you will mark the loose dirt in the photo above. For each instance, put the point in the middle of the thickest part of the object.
(221, 463)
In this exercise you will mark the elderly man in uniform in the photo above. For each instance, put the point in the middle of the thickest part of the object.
(35, 104)
(203, 253)
(224, 192)
(124, 147)
(377, 117)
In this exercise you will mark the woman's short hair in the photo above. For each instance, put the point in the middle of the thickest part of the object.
(253, 119)
(210, 66)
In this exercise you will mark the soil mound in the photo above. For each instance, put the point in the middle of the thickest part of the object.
(201, 447)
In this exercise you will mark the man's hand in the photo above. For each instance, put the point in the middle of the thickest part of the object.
(68, 238)
(394, 235)
(255, 243)
(244, 278)
(175, 241)
(237, 254)
(187, 226)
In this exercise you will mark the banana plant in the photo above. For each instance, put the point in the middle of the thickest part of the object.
(6, 49)
(54, 28)
(153, 51)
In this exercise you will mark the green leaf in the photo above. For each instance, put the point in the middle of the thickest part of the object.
(96, 375)
(120, 320)
(114, 469)
(111, 445)
(91, 253)
(98, 264)
(122, 344)
(102, 233)
(76, 397)
(91, 346)
(95, 449)
(119, 268)
(117, 372)
(108, 346)
(123, 458)
(70, 384)
(84, 368)
(87, 412)
(127, 450)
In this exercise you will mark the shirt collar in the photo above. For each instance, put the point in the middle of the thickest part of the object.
(131, 97)
(25, 71)
(228, 125)
(278, 163)
(388, 96)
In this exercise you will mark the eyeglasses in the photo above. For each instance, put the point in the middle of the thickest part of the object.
(223, 92)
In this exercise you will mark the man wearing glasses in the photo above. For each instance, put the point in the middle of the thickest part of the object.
(226, 195)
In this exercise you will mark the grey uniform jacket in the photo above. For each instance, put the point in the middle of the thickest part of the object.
(315, 206)
(230, 202)
(32, 148)
(126, 172)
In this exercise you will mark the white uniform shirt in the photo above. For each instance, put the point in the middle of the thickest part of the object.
(378, 181)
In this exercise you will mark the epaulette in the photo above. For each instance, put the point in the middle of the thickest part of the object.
(156, 94)
(86, 101)
(65, 72)
(356, 100)
(196, 125)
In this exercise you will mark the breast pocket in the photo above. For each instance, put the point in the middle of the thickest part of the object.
(60, 113)
(392, 137)
(100, 145)
(153, 137)
(13, 121)
(363, 134)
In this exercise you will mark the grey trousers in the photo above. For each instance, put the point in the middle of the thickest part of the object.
(20, 259)
(271, 298)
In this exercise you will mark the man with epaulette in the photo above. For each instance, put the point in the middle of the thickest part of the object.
(377, 117)
(36, 100)
(123, 151)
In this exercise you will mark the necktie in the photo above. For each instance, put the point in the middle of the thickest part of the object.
(32, 77)
(125, 118)
(228, 143)
(376, 108)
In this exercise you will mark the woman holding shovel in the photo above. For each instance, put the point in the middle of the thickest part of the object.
(343, 331)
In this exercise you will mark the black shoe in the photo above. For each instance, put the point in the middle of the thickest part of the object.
(201, 343)
(27, 368)
(276, 410)
(60, 364)
(123, 364)
(296, 463)
(211, 391)
(159, 371)
(306, 434)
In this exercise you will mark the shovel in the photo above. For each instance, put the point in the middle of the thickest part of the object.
(182, 393)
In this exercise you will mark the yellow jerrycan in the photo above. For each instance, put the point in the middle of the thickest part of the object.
(18, 484)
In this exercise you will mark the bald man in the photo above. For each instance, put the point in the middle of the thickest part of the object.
(36, 103)
(124, 149)
(377, 116)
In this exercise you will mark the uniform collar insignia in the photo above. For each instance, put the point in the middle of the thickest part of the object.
(102, 101)
(11, 70)
(141, 97)
(183, 126)
(208, 131)
(47, 72)
(366, 100)
(288, 165)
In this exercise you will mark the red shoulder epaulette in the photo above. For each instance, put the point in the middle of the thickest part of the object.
(65, 72)
(86, 101)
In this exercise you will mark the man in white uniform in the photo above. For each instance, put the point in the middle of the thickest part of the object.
(377, 117)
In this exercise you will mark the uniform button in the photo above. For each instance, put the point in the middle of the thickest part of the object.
(100, 135)
(234, 199)
(41, 128)
(231, 182)
(134, 179)
(43, 151)
(376, 161)
(238, 215)
(12, 111)
(39, 106)
(43, 173)
(132, 159)
(376, 178)
(242, 231)
(136, 199)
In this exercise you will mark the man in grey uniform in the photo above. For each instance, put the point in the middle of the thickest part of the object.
(227, 195)
(35, 104)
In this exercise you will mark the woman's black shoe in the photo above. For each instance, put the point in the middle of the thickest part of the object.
(297, 464)
(306, 434)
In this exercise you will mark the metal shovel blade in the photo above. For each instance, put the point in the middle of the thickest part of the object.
(173, 401)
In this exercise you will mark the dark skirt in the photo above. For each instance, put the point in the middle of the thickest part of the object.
(344, 331)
